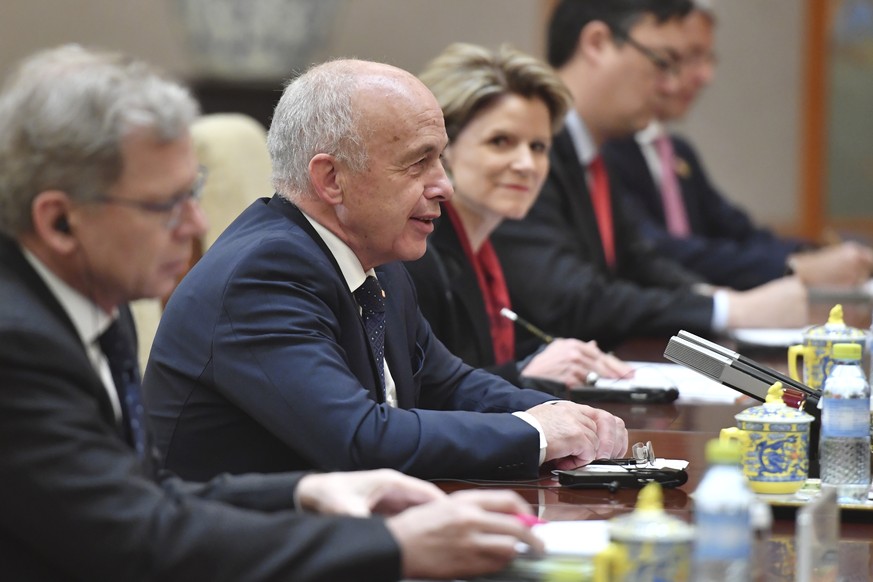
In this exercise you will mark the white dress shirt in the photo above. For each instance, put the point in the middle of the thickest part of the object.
(89, 320)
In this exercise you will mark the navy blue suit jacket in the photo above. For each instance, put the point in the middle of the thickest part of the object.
(557, 273)
(77, 504)
(725, 246)
(261, 363)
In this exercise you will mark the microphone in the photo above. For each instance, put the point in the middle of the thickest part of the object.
(743, 375)
(733, 369)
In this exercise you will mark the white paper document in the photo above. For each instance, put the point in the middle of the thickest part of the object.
(692, 386)
(576, 538)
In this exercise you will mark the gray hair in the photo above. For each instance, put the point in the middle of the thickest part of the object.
(64, 113)
(315, 115)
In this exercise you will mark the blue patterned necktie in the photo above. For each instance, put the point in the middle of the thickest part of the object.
(371, 298)
(118, 350)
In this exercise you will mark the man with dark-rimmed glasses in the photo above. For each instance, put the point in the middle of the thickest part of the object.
(658, 171)
(576, 264)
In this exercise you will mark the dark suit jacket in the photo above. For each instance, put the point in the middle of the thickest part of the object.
(557, 273)
(725, 246)
(450, 299)
(261, 363)
(77, 504)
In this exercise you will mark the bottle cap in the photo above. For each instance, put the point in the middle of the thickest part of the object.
(724, 452)
(846, 352)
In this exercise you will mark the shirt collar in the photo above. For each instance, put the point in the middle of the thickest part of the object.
(581, 137)
(89, 320)
(349, 264)
(652, 131)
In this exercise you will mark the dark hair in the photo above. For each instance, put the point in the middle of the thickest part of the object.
(571, 16)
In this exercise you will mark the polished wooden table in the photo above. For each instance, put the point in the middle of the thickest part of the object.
(680, 431)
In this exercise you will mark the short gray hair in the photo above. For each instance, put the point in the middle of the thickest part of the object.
(315, 115)
(64, 113)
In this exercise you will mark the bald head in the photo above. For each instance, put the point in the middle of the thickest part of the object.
(336, 108)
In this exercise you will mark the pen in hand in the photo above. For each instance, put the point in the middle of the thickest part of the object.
(513, 316)
(509, 314)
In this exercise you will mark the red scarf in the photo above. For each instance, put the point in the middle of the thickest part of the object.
(489, 274)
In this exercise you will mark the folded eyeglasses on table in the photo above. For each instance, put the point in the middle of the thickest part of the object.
(634, 472)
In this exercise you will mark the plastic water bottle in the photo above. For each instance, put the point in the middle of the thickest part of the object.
(844, 446)
(722, 505)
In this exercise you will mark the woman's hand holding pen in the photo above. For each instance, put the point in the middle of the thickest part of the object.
(570, 361)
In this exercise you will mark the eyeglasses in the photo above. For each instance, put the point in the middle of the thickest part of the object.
(643, 456)
(665, 65)
(699, 58)
(172, 208)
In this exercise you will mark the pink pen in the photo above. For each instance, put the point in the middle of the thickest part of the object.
(529, 520)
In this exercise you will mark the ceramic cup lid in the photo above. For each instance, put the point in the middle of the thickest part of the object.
(649, 522)
(774, 410)
(835, 329)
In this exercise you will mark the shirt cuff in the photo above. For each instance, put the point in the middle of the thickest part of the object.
(720, 308)
(529, 418)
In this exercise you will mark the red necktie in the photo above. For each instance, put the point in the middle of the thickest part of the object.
(671, 196)
(602, 208)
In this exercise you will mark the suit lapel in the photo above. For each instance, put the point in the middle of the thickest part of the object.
(396, 341)
(464, 286)
(685, 175)
(653, 190)
(373, 382)
(13, 259)
(294, 214)
(571, 176)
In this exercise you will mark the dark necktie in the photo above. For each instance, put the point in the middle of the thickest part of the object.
(600, 200)
(371, 298)
(119, 351)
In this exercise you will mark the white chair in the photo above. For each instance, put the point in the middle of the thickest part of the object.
(233, 148)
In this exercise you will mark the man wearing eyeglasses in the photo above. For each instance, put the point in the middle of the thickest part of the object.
(685, 216)
(576, 264)
(98, 206)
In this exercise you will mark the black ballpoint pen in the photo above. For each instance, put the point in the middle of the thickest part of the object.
(513, 316)
(542, 336)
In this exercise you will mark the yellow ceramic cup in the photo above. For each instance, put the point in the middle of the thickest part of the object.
(775, 455)
(818, 342)
(816, 362)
